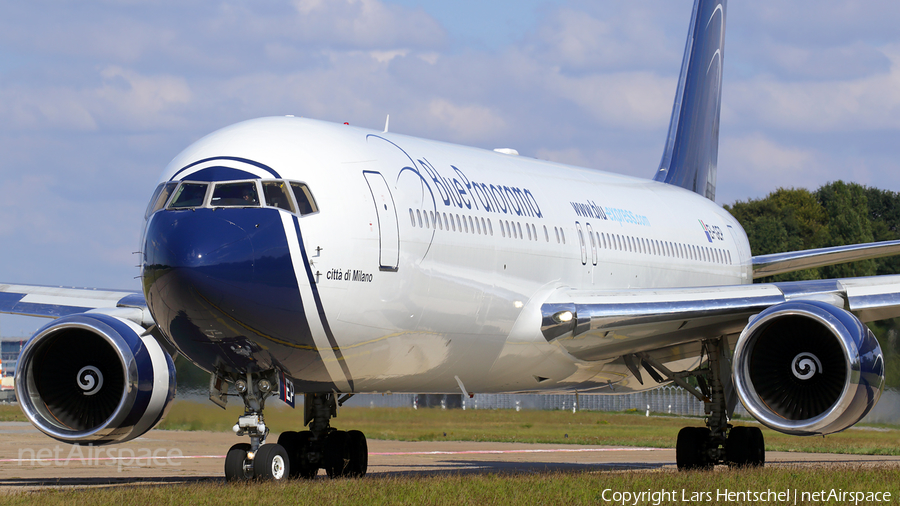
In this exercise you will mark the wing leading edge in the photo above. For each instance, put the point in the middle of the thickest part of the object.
(780, 263)
(56, 302)
(599, 325)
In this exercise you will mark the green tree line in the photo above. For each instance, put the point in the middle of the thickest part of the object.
(836, 214)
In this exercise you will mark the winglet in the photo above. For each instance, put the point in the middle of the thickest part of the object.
(692, 146)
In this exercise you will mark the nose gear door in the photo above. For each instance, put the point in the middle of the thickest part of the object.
(388, 230)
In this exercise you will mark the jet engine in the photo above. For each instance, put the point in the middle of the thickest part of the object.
(94, 378)
(807, 367)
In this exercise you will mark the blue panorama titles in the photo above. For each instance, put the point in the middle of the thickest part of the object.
(786, 496)
(466, 194)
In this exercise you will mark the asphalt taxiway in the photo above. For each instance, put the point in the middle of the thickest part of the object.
(30, 460)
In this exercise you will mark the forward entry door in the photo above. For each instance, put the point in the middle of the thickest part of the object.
(388, 231)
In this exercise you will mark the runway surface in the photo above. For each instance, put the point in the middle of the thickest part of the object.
(30, 460)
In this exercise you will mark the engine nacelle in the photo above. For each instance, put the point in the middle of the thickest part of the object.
(807, 367)
(92, 378)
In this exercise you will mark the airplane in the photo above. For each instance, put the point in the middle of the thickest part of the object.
(290, 256)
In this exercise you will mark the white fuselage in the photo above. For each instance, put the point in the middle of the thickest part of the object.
(443, 295)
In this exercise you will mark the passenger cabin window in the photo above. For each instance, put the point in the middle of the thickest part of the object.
(189, 195)
(235, 195)
(305, 202)
(276, 194)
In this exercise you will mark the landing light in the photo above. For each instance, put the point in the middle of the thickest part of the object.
(563, 316)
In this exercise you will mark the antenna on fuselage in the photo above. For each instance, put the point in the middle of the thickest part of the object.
(387, 122)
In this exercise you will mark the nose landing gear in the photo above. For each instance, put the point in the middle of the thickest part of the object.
(257, 459)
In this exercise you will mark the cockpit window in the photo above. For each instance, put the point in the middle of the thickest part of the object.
(305, 201)
(291, 196)
(160, 197)
(277, 196)
(189, 195)
(153, 199)
(235, 195)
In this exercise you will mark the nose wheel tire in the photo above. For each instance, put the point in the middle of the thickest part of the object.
(234, 463)
(271, 463)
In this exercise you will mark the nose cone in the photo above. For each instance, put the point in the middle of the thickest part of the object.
(202, 247)
(221, 285)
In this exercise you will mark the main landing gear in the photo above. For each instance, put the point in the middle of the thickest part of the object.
(340, 453)
(297, 454)
(719, 442)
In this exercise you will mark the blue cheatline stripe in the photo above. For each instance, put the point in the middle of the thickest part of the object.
(266, 168)
(10, 303)
(9, 300)
(321, 309)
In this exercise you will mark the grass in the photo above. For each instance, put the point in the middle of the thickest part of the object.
(527, 426)
(519, 489)
(585, 427)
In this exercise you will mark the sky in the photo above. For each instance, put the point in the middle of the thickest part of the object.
(96, 97)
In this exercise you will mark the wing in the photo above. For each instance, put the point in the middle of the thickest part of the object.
(598, 325)
(780, 263)
(54, 302)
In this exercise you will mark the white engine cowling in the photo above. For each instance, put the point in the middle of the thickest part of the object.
(92, 378)
(807, 367)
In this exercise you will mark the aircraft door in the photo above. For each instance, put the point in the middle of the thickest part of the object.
(581, 240)
(388, 230)
(744, 260)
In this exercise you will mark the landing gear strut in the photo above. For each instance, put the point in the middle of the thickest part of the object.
(257, 459)
(719, 442)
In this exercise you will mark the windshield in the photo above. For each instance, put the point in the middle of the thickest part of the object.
(242, 194)
(189, 195)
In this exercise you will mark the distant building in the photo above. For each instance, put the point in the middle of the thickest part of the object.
(9, 353)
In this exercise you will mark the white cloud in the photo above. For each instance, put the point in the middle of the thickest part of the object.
(142, 98)
(638, 100)
(762, 158)
(866, 103)
(471, 122)
(365, 23)
(599, 159)
(624, 37)
(54, 108)
(124, 99)
(386, 56)
(754, 165)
